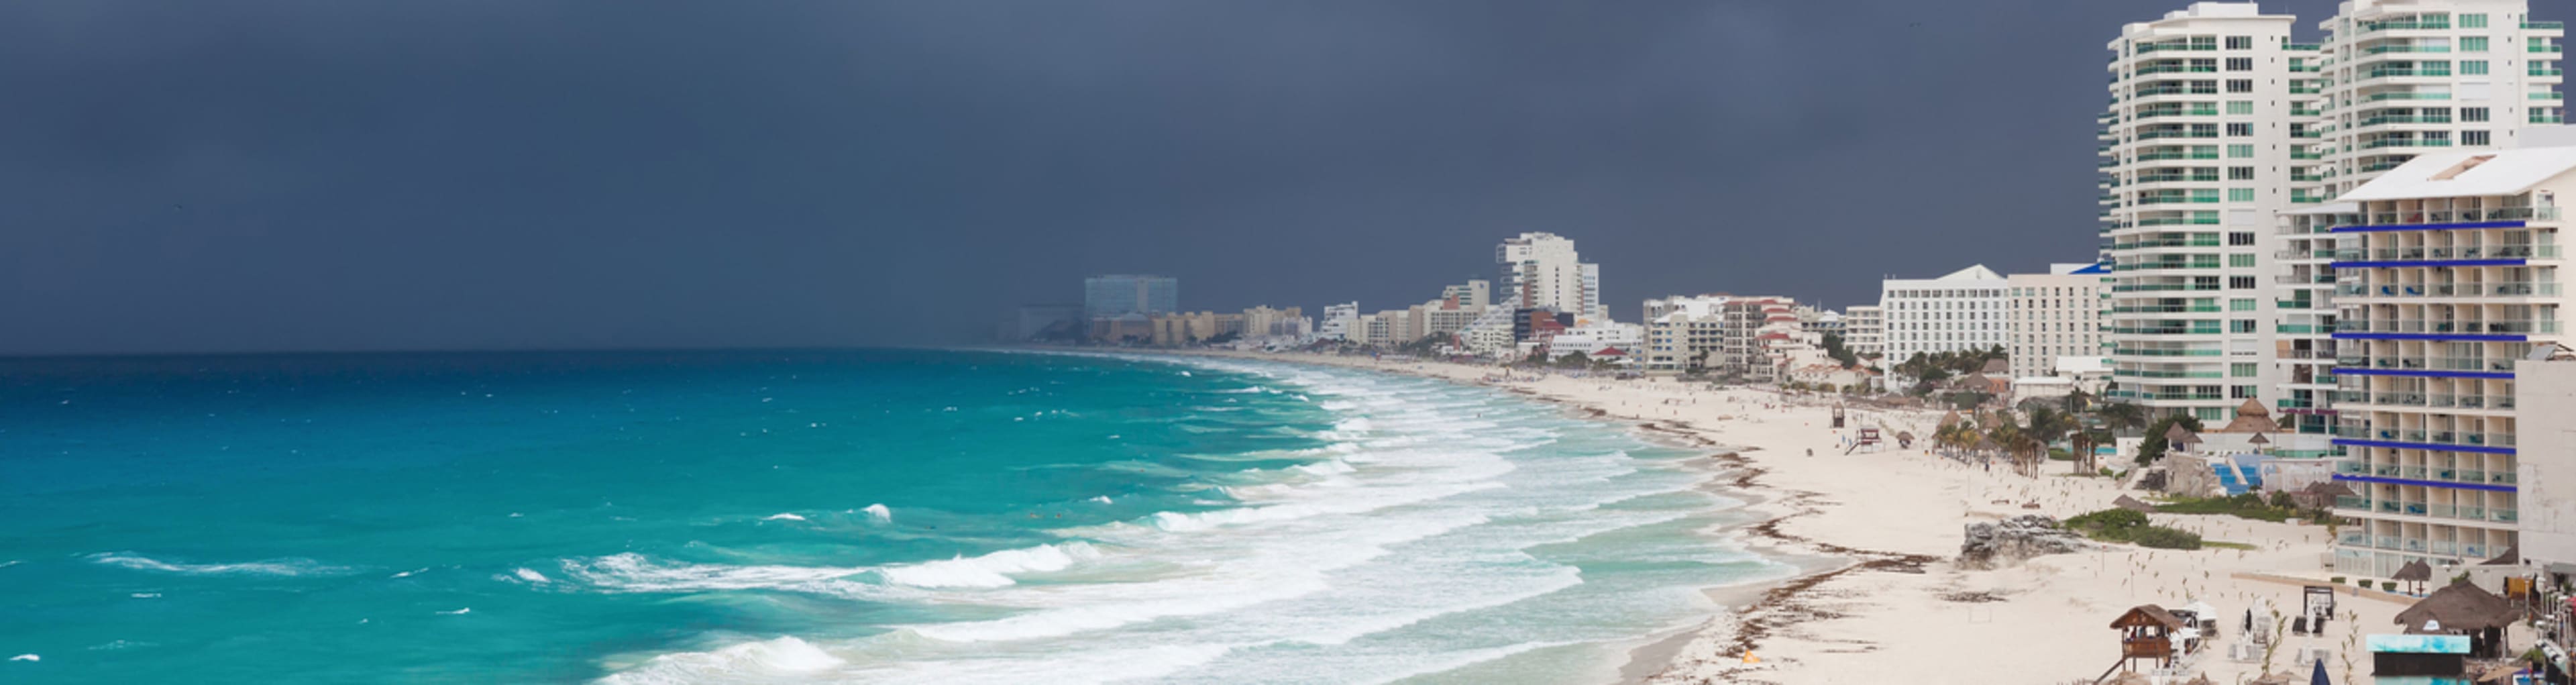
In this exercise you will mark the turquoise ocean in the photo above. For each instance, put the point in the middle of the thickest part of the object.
(873, 516)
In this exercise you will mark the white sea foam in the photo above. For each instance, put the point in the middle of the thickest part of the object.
(458, 612)
(30, 657)
(145, 595)
(410, 573)
(783, 517)
(879, 512)
(266, 567)
(1103, 499)
(990, 570)
(763, 660)
(1414, 513)
(529, 575)
(631, 572)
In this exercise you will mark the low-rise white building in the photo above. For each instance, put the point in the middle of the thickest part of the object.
(1591, 338)
(1340, 322)
(1961, 310)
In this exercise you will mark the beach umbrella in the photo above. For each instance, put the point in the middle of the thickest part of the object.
(2318, 676)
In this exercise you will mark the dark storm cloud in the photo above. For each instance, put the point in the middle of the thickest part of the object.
(361, 175)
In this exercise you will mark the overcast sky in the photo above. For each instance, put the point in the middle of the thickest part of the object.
(333, 175)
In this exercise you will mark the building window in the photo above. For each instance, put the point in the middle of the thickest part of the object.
(2473, 138)
(2473, 21)
(2240, 173)
(2240, 152)
(2240, 107)
(2473, 67)
(2240, 64)
(2240, 195)
(2240, 325)
(2240, 261)
(2240, 85)
(2241, 370)
(2240, 282)
(2240, 239)
(2473, 114)
(2240, 42)
(2241, 304)
(2240, 130)
(2473, 44)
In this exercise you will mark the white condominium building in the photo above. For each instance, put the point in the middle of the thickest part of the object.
(1542, 271)
(2449, 274)
(2206, 113)
(1960, 311)
(2052, 315)
(1864, 330)
(2416, 76)
(1341, 322)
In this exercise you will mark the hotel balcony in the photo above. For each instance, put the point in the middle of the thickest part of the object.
(2461, 216)
(2474, 289)
(2403, 363)
(2447, 326)
(2506, 251)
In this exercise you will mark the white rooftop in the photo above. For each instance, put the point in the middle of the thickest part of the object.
(1973, 273)
(2467, 174)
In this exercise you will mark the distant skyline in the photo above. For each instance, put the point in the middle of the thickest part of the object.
(319, 176)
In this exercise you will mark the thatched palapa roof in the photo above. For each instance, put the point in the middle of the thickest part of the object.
(2413, 570)
(2251, 417)
(2330, 489)
(2512, 556)
(2460, 607)
(2178, 435)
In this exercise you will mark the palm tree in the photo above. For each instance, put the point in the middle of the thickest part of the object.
(2048, 425)
(2010, 438)
(2121, 416)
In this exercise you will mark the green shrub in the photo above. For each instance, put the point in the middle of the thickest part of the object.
(2338, 580)
(2108, 521)
(2281, 500)
(2388, 585)
(2160, 537)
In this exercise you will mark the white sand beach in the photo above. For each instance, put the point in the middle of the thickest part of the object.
(1893, 607)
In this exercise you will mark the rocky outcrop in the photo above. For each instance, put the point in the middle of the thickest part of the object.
(2006, 543)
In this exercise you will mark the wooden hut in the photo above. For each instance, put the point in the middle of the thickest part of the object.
(2147, 632)
(2463, 609)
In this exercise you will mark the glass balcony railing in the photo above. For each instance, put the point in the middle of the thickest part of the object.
(2544, 25)
(2421, 24)
(2410, 119)
(2405, 142)
(2466, 215)
(2379, 97)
